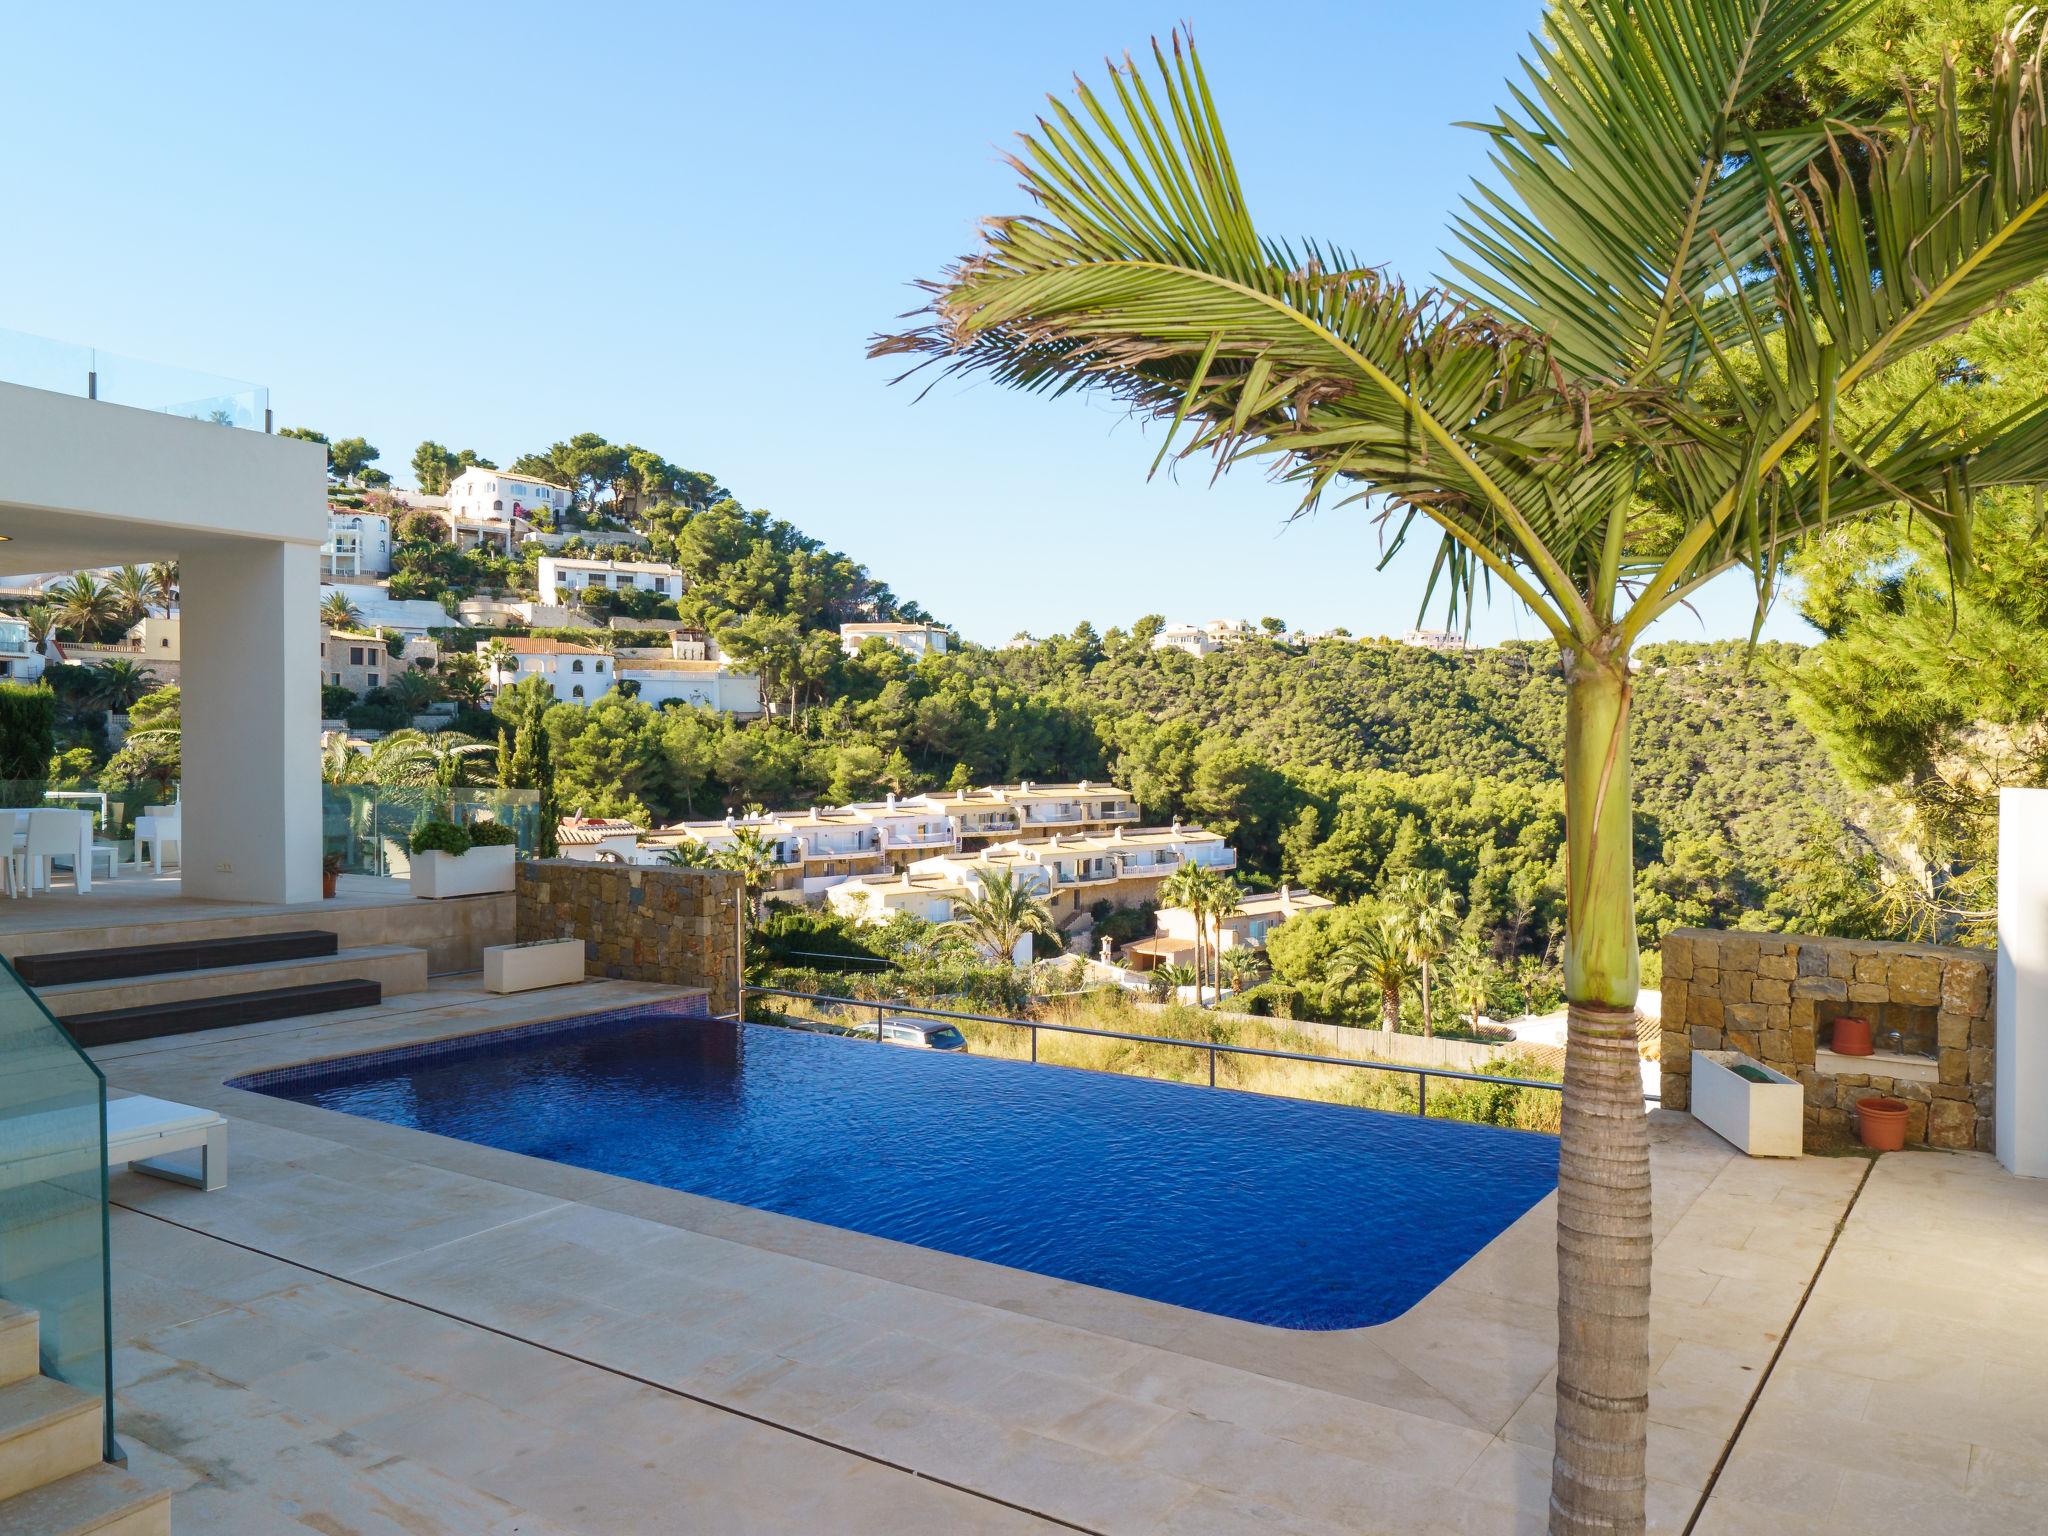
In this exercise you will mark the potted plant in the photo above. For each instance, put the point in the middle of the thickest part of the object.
(330, 875)
(1763, 1112)
(473, 860)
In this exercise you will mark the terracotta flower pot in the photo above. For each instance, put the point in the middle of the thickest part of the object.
(1881, 1124)
(328, 882)
(1852, 1036)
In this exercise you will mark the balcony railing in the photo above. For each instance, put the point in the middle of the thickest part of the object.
(66, 368)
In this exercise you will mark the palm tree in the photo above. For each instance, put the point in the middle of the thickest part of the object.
(413, 690)
(1657, 364)
(1467, 983)
(497, 658)
(42, 618)
(118, 683)
(1166, 981)
(1239, 966)
(86, 606)
(998, 913)
(1188, 888)
(411, 759)
(462, 680)
(343, 762)
(163, 585)
(1224, 898)
(754, 857)
(687, 853)
(337, 612)
(1426, 917)
(1375, 958)
(132, 585)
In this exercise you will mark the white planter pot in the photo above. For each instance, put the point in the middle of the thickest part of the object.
(479, 872)
(524, 967)
(1766, 1119)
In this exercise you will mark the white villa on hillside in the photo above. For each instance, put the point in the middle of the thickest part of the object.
(358, 544)
(564, 578)
(1434, 640)
(1201, 639)
(597, 840)
(493, 506)
(1247, 927)
(20, 661)
(575, 672)
(913, 640)
(376, 608)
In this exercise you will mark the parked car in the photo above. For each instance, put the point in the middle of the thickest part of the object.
(921, 1034)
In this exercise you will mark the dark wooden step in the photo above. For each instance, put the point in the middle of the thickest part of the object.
(113, 1026)
(115, 964)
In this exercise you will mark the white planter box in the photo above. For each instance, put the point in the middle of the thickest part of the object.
(1763, 1119)
(524, 967)
(479, 872)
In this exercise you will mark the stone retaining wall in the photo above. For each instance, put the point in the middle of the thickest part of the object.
(1775, 995)
(679, 927)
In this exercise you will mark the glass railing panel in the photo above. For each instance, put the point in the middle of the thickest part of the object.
(371, 825)
(53, 1193)
(66, 368)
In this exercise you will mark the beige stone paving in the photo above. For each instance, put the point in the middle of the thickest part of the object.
(1913, 1395)
(468, 1354)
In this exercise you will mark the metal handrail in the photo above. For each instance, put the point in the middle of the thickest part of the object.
(1421, 1074)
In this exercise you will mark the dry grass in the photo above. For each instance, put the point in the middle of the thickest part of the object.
(1362, 1085)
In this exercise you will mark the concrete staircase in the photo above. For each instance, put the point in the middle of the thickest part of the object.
(52, 1481)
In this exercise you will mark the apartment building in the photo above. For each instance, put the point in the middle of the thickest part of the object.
(492, 506)
(687, 668)
(565, 579)
(1070, 874)
(353, 659)
(914, 640)
(578, 673)
(1026, 810)
(358, 544)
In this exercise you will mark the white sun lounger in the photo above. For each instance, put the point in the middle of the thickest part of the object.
(170, 1141)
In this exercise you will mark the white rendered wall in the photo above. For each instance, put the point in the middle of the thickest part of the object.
(2023, 981)
(251, 721)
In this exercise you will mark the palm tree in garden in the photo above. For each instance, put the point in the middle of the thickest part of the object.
(413, 689)
(131, 585)
(1189, 888)
(1239, 966)
(337, 612)
(754, 857)
(163, 585)
(1467, 984)
(1426, 917)
(497, 658)
(997, 914)
(1223, 898)
(118, 683)
(1376, 960)
(86, 606)
(1656, 363)
(42, 618)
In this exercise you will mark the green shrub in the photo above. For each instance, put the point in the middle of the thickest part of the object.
(797, 936)
(28, 740)
(439, 836)
(1271, 1000)
(335, 701)
(491, 834)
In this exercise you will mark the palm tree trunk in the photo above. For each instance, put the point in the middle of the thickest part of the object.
(1428, 1028)
(1603, 1177)
(1390, 1009)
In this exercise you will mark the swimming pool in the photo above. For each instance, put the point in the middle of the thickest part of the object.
(1279, 1211)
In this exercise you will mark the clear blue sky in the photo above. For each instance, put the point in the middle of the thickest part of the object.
(677, 226)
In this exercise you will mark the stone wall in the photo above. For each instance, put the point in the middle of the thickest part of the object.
(679, 927)
(1774, 996)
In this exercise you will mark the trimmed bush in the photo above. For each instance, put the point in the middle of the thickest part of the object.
(491, 834)
(439, 836)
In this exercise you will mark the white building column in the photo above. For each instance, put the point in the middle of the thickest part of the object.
(2022, 1094)
(251, 720)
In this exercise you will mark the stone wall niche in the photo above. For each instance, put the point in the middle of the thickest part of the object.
(679, 927)
(1775, 996)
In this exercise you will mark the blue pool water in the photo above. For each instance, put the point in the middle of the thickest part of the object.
(1276, 1211)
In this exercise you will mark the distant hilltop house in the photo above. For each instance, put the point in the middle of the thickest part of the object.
(1202, 639)
(505, 612)
(492, 506)
(353, 659)
(358, 544)
(597, 840)
(152, 641)
(565, 579)
(1434, 640)
(913, 640)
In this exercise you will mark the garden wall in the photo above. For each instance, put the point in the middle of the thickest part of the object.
(1410, 1050)
(678, 927)
(1776, 997)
